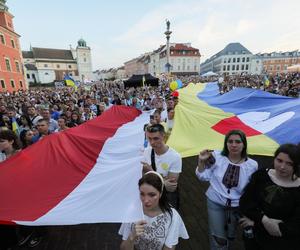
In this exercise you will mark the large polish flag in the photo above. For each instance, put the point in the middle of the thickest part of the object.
(86, 174)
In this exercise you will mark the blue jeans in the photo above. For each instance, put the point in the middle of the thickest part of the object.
(222, 224)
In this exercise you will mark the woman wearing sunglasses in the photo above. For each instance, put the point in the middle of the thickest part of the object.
(228, 172)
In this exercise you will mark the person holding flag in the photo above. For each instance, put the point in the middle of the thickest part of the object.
(70, 81)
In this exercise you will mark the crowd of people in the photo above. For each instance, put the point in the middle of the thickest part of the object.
(264, 200)
(285, 84)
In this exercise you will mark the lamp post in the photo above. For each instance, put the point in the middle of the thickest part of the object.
(168, 33)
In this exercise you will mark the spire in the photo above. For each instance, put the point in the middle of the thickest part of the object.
(3, 6)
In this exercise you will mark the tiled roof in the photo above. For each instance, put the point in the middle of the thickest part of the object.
(52, 53)
(181, 46)
(232, 48)
(27, 54)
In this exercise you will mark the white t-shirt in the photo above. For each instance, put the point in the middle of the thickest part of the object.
(217, 191)
(165, 163)
(160, 231)
(2, 157)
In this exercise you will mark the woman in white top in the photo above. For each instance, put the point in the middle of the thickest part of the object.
(228, 172)
(162, 225)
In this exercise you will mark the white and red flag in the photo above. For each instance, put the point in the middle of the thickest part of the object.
(86, 174)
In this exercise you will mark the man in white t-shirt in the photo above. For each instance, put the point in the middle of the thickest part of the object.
(162, 159)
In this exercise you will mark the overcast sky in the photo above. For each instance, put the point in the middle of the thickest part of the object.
(119, 30)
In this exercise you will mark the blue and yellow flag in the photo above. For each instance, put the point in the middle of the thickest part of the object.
(70, 82)
(15, 126)
(203, 117)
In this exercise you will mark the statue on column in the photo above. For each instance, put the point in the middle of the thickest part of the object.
(168, 24)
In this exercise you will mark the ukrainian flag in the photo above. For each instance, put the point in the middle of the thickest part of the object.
(15, 126)
(70, 82)
(203, 117)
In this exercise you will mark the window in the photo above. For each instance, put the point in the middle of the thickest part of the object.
(224, 68)
(33, 76)
(178, 67)
(243, 59)
(17, 66)
(225, 60)
(7, 62)
(28, 76)
(243, 66)
(70, 66)
(57, 66)
(2, 39)
(46, 65)
(46, 73)
(229, 59)
(278, 67)
(3, 84)
(21, 84)
(233, 60)
(247, 66)
(13, 43)
(12, 83)
(238, 59)
(188, 67)
(233, 67)
(84, 59)
(248, 59)
(237, 67)
(195, 67)
(228, 67)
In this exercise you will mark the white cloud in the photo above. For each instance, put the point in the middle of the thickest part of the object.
(211, 24)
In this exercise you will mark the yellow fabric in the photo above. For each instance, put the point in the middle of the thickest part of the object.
(71, 84)
(192, 127)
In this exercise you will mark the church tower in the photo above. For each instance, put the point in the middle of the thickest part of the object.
(84, 61)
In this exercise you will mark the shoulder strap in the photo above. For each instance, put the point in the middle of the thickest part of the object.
(153, 160)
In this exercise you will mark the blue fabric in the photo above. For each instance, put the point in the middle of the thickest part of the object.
(243, 100)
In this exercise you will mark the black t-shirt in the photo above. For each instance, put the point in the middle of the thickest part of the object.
(264, 197)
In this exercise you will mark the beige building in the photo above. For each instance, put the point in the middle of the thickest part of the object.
(45, 65)
(278, 62)
(184, 60)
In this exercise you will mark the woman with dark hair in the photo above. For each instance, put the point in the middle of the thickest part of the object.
(9, 144)
(75, 120)
(228, 172)
(272, 202)
(26, 137)
(25, 122)
(162, 225)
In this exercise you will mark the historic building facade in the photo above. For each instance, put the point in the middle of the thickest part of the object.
(233, 59)
(184, 60)
(11, 66)
(44, 65)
